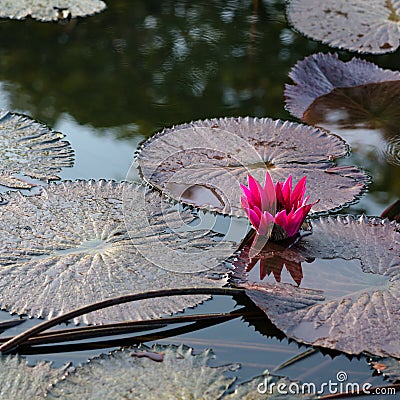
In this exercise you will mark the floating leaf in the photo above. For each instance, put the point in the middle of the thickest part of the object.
(49, 10)
(204, 162)
(81, 242)
(356, 25)
(18, 380)
(389, 367)
(353, 317)
(124, 375)
(360, 102)
(128, 374)
(31, 149)
(320, 74)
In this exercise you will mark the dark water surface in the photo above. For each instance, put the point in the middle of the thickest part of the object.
(112, 80)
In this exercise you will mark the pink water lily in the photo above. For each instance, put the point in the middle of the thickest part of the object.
(275, 204)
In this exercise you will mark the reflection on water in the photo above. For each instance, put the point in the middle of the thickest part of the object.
(155, 63)
(196, 194)
(97, 154)
(371, 106)
(392, 151)
(285, 263)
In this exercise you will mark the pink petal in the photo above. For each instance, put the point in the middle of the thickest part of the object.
(266, 221)
(299, 191)
(295, 220)
(254, 219)
(279, 195)
(281, 219)
(247, 193)
(287, 189)
(244, 202)
(255, 189)
(289, 222)
(268, 197)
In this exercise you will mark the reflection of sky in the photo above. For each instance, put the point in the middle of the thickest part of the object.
(360, 139)
(4, 97)
(97, 153)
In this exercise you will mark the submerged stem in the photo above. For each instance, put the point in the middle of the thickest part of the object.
(24, 336)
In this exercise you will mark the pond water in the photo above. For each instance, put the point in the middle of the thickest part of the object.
(110, 81)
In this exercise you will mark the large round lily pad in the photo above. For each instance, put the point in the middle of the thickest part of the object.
(355, 314)
(80, 242)
(49, 10)
(204, 162)
(164, 372)
(371, 26)
(28, 148)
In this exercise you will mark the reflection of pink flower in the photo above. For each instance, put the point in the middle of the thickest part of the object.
(260, 204)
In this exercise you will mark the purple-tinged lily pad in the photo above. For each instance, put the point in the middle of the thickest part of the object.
(203, 163)
(356, 25)
(339, 304)
(49, 10)
(129, 374)
(358, 101)
(28, 148)
(321, 74)
(81, 242)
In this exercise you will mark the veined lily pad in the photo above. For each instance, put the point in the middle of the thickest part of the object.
(203, 163)
(31, 149)
(49, 10)
(80, 242)
(389, 367)
(18, 380)
(364, 318)
(356, 25)
(162, 372)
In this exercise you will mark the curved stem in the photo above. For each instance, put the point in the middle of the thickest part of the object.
(133, 340)
(21, 338)
(121, 328)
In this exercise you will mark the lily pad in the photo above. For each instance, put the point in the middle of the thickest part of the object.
(161, 372)
(389, 367)
(204, 162)
(18, 380)
(28, 148)
(363, 318)
(80, 242)
(321, 74)
(356, 25)
(360, 102)
(49, 10)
